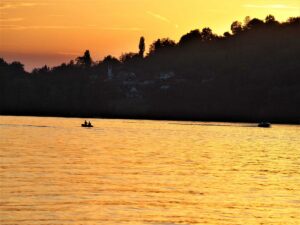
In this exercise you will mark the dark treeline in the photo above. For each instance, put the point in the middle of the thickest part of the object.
(249, 74)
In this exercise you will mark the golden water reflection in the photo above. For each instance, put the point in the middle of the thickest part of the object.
(147, 172)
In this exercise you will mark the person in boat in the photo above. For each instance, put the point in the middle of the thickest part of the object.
(89, 124)
(85, 123)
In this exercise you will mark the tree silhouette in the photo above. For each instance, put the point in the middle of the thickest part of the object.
(248, 77)
(207, 34)
(254, 23)
(128, 57)
(192, 36)
(3, 63)
(226, 34)
(142, 47)
(270, 19)
(85, 60)
(161, 44)
(236, 27)
(43, 70)
(294, 21)
(17, 67)
(110, 60)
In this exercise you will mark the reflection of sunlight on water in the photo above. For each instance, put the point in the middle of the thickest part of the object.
(147, 172)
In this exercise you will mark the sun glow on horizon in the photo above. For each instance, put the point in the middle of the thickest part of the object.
(51, 32)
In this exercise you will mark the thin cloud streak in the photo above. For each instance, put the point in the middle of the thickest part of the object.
(16, 27)
(53, 27)
(161, 18)
(272, 6)
(11, 19)
(121, 28)
(20, 4)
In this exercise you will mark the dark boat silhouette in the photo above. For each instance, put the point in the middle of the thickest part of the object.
(85, 124)
(264, 125)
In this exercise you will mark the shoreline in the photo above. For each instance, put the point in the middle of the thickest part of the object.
(180, 119)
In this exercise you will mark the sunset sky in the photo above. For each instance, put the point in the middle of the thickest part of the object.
(39, 32)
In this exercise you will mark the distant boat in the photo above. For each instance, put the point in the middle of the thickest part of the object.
(264, 125)
(83, 125)
(87, 125)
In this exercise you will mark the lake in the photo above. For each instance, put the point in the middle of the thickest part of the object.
(147, 172)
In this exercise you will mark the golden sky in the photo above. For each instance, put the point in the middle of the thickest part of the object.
(39, 32)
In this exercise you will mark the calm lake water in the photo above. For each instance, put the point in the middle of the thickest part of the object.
(147, 172)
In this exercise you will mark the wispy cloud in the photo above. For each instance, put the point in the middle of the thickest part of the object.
(161, 18)
(13, 5)
(11, 19)
(17, 27)
(121, 28)
(63, 27)
(271, 6)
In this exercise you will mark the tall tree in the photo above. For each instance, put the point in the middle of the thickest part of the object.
(142, 47)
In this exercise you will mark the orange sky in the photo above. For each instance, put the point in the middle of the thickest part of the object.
(39, 32)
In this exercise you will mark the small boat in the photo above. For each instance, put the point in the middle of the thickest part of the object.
(87, 125)
(264, 125)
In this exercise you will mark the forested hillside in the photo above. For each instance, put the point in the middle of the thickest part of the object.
(251, 73)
